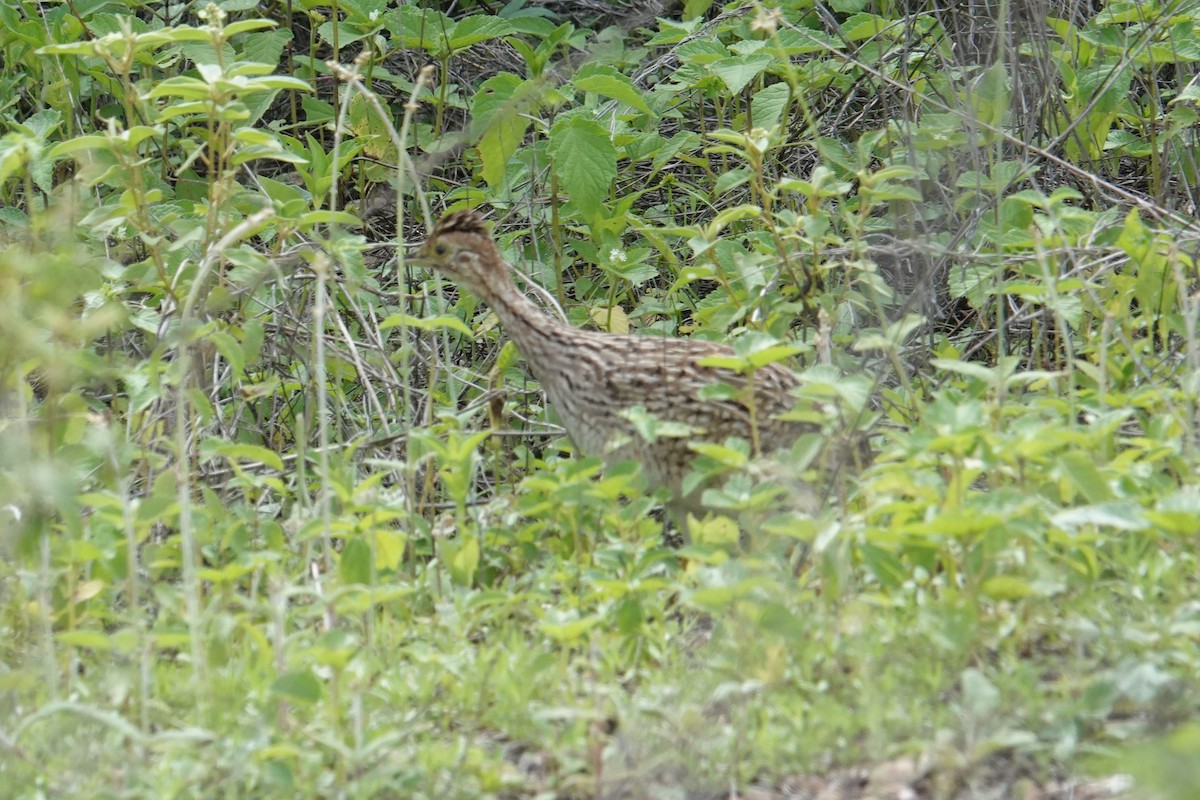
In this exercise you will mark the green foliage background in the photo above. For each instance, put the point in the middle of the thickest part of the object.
(282, 515)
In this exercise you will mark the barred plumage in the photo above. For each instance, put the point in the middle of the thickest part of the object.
(592, 378)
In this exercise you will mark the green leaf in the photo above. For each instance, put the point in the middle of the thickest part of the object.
(730, 180)
(477, 28)
(93, 640)
(235, 451)
(497, 119)
(246, 25)
(237, 5)
(729, 216)
(41, 124)
(887, 568)
(768, 106)
(432, 323)
(14, 151)
(465, 561)
(863, 26)
(230, 348)
(1122, 516)
(614, 86)
(1178, 513)
(629, 615)
(972, 282)
(354, 565)
(569, 631)
(702, 51)
(389, 549)
(719, 594)
(672, 32)
(299, 686)
(722, 454)
(1007, 587)
(1081, 472)
(980, 696)
(327, 217)
(989, 96)
(182, 87)
(737, 71)
(346, 33)
(970, 369)
(585, 161)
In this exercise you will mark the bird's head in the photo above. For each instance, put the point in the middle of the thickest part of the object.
(461, 249)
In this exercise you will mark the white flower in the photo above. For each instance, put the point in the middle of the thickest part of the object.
(617, 256)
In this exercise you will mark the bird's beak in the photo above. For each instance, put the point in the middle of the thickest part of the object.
(414, 255)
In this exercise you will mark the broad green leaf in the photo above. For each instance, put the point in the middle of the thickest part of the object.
(1121, 516)
(585, 161)
(616, 87)
(737, 71)
(884, 564)
(1081, 472)
(477, 28)
(243, 26)
(413, 26)
(972, 282)
(863, 26)
(970, 369)
(465, 561)
(1007, 587)
(611, 318)
(629, 615)
(798, 41)
(299, 686)
(701, 51)
(354, 563)
(327, 217)
(730, 180)
(729, 216)
(346, 33)
(236, 451)
(1178, 513)
(182, 87)
(723, 454)
(389, 549)
(266, 47)
(720, 594)
(768, 106)
(14, 152)
(237, 5)
(41, 124)
(230, 348)
(426, 324)
(569, 631)
(770, 355)
(499, 122)
(717, 530)
(989, 95)
(93, 640)
(979, 695)
(672, 32)
(126, 139)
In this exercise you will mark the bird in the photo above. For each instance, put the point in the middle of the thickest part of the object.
(598, 382)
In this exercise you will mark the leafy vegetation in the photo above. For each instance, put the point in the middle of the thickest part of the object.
(284, 516)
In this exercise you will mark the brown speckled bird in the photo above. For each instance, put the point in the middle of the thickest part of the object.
(593, 379)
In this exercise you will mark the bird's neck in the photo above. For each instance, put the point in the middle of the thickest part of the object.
(536, 333)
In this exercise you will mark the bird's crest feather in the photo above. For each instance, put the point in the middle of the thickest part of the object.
(469, 221)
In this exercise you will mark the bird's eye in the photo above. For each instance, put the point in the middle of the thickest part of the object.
(440, 249)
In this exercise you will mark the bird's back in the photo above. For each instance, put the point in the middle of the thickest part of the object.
(594, 381)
